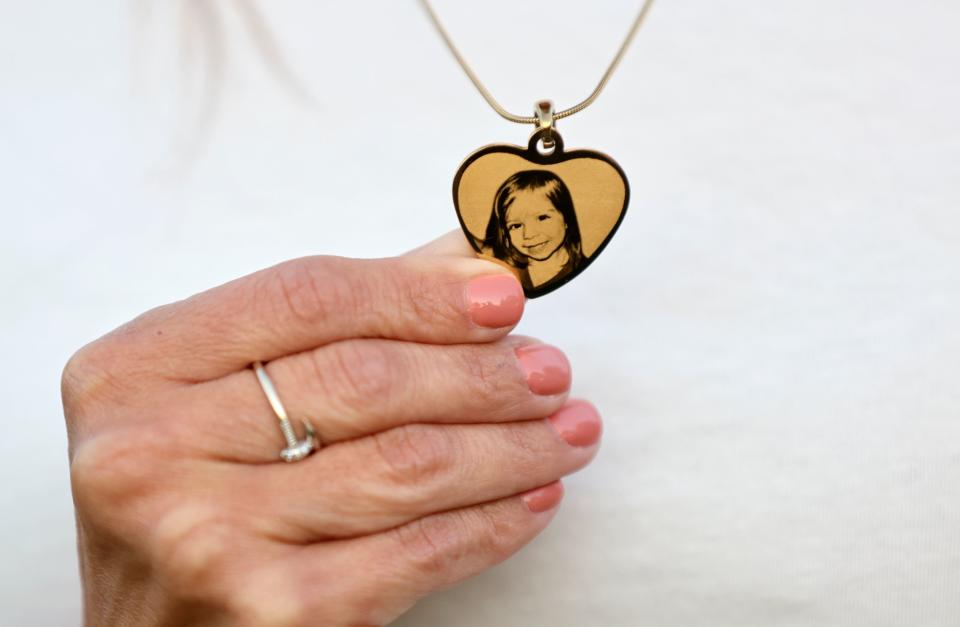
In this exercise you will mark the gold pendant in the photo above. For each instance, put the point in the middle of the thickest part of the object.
(546, 215)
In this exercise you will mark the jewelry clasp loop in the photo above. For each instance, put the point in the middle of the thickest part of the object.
(543, 111)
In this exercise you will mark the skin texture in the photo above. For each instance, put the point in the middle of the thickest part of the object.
(445, 438)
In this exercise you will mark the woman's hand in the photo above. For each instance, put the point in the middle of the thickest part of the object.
(444, 442)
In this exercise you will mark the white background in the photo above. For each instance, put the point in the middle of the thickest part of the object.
(773, 336)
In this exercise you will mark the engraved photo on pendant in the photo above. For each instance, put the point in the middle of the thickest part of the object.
(545, 216)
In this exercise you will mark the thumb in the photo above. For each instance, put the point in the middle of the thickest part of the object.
(451, 244)
(454, 244)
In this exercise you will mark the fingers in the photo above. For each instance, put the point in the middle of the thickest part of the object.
(406, 473)
(358, 387)
(402, 565)
(309, 302)
(452, 244)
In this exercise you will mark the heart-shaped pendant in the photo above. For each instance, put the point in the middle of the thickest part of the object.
(545, 215)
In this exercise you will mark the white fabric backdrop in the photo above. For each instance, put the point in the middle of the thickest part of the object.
(772, 336)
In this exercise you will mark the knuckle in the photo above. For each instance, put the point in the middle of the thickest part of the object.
(495, 531)
(356, 373)
(484, 374)
(416, 454)
(75, 377)
(311, 290)
(370, 606)
(529, 442)
(436, 544)
(270, 596)
(425, 296)
(86, 378)
(277, 610)
(112, 468)
(432, 545)
(192, 548)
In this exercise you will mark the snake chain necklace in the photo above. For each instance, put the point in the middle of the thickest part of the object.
(544, 212)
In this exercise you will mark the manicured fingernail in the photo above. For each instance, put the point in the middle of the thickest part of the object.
(546, 368)
(545, 498)
(578, 423)
(495, 300)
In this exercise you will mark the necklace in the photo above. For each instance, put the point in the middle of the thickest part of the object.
(544, 212)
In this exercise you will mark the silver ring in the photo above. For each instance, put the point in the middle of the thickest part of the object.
(296, 450)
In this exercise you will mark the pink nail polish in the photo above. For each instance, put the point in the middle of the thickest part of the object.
(495, 300)
(546, 368)
(578, 423)
(545, 498)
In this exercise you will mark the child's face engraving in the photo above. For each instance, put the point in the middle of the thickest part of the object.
(535, 226)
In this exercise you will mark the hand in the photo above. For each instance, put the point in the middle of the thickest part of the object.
(439, 459)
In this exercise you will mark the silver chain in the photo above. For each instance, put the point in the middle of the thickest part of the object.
(532, 119)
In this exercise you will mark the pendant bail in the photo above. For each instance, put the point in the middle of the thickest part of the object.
(543, 110)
